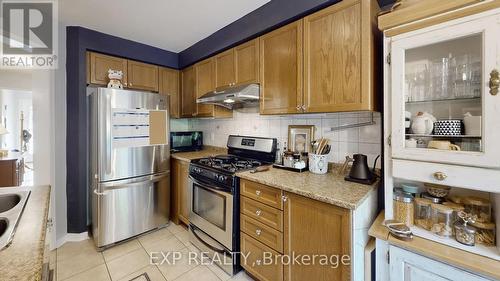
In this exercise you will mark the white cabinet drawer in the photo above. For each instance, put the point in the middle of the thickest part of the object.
(458, 176)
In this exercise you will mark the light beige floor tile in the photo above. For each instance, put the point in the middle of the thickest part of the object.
(153, 273)
(156, 235)
(120, 250)
(70, 249)
(77, 262)
(165, 245)
(128, 263)
(183, 236)
(175, 228)
(219, 272)
(99, 273)
(241, 276)
(196, 273)
(174, 270)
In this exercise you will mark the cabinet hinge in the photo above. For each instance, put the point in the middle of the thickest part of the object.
(388, 58)
(389, 140)
(388, 257)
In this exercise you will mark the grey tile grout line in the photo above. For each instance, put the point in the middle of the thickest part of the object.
(156, 266)
(106, 264)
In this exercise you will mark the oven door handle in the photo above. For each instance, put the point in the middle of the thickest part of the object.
(211, 186)
(206, 244)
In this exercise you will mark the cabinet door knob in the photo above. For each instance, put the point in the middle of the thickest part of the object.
(258, 212)
(257, 192)
(304, 108)
(440, 176)
(258, 232)
(258, 262)
(130, 84)
(299, 108)
(284, 198)
(494, 82)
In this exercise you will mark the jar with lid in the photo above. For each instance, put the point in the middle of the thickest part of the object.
(423, 213)
(442, 220)
(457, 208)
(403, 208)
(485, 233)
(435, 200)
(479, 207)
(465, 233)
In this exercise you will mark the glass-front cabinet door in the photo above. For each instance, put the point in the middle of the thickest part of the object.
(444, 84)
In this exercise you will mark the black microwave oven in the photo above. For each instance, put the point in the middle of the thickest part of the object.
(186, 141)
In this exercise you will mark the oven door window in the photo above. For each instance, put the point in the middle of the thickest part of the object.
(209, 205)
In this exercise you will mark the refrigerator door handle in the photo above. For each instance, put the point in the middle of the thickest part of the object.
(99, 193)
(135, 182)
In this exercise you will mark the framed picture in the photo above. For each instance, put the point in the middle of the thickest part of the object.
(300, 138)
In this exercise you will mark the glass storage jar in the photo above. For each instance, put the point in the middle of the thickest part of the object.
(442, 220)
(435, 200)
(403, 208)
(480, 207)
(423, 213)
(456, 209)
(465, 234)
(485, 233)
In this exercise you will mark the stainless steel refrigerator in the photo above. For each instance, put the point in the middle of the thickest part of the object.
(129, 178)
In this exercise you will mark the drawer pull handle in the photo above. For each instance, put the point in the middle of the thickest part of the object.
(440, 176)
(258, 232)
(258, 212)
(494, 82)
(257, 192)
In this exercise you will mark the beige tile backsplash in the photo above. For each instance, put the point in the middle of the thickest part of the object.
(365, 140)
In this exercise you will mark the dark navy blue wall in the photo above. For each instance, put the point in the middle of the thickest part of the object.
(79, 40)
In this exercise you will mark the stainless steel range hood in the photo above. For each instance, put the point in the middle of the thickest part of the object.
(233, 97)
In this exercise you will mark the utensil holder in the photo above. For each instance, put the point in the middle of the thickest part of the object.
(318, 163)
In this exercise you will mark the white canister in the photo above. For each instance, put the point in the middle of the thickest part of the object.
(472, 125)
(318, 163)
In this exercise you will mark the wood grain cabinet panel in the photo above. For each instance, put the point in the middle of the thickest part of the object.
(246, 57)
(225, 70)
(99, 66)
(332, 60)
(188, 97)
(313, 227)
(262, 213)
(205, 82)
(180, 185)
(262, 193)
(169, 85)
(254, 263)
(281, 70)
(142, 76)
(262, 233)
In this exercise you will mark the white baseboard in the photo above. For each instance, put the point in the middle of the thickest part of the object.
(72, 237)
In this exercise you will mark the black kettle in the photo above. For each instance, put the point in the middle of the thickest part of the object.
(360, 172)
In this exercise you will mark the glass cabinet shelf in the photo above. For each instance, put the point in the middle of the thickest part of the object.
(444, 137)
(474, 99)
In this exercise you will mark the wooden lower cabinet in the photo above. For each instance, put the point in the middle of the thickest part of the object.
(180, 188)
(256, 253)
(312, 227)
(305, 227)
(11, 170)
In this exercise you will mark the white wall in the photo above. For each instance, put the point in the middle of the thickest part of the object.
(15, 101)
(365, 140)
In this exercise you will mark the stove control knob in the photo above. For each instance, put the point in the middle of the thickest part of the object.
(221, 178)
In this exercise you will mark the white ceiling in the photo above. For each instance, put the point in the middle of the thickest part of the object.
(172, 25)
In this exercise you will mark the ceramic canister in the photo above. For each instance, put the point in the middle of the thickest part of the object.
(318, 163)
(448, 127)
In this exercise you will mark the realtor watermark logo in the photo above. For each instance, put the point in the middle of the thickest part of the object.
(29, 34)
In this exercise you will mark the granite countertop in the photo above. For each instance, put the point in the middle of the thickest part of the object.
(437, 251)
(329, 188)
(23, 259)
(205, 152)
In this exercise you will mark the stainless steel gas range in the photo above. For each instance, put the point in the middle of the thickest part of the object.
(214, 196)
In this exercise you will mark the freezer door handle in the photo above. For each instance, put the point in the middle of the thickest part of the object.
(134, 182)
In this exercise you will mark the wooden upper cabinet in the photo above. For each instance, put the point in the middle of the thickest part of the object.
(340, 58)
(315, 228)
(332, 59)
(99, 66)
(188, 97)
(246, 58)
(281, 70)
(169, 85)
(205, 82)
(225, 69)
(142, 76)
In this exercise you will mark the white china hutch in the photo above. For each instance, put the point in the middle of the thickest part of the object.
(432, 76)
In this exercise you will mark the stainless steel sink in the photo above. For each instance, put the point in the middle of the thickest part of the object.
(8, 201)
(12, 204)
